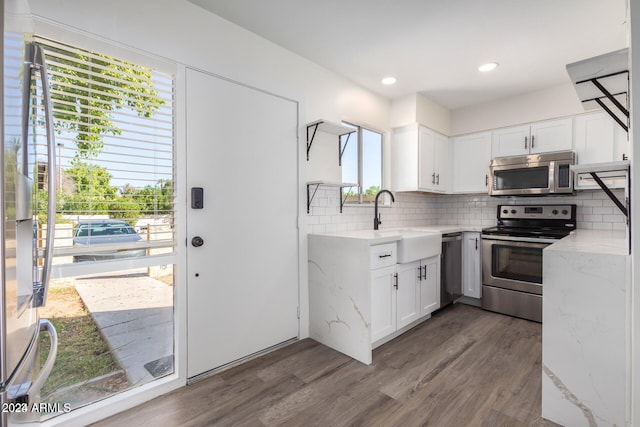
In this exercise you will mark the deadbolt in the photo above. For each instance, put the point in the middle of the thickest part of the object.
(197, 241)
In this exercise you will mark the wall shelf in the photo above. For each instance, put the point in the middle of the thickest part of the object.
(318, 184)
(618, 168)
(331, 128)
(604, 81)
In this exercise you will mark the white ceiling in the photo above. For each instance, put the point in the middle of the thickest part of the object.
(434, 47)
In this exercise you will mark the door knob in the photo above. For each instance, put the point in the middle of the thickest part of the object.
(197, 241)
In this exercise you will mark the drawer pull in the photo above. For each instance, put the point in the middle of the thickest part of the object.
(384, 256)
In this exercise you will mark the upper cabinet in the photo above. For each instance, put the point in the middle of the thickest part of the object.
(470, 158)
(599, 139)
(541, 137)
(420, 160)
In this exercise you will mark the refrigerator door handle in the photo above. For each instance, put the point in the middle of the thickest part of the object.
(40, 288)
(46, 326)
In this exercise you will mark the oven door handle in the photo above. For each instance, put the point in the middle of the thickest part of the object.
(520, 239)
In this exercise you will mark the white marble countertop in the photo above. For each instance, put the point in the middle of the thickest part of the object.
(593, 241)
(444, 229)
(375, 237)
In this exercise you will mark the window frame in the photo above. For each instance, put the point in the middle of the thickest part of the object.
(360, 151)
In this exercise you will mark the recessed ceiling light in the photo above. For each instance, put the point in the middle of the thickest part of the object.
(489, 66)
(388, 80)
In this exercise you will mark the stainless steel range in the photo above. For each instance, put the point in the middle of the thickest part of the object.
(512, 256)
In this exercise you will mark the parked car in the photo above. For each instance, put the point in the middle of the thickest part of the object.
(101, 232)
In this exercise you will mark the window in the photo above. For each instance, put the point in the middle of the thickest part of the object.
(112, 296)
(113, 122)
(362, 164)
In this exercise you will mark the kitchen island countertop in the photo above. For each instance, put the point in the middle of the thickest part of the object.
(612, 242)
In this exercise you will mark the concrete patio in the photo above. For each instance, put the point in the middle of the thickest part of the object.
(134, 314)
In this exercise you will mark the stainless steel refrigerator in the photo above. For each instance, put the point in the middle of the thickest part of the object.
(24, 265)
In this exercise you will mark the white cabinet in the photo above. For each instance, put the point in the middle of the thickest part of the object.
(420, 160)
(408, 293)
(599, 139)
(430, 285)
(470, 158)
(471, 265)
(540, 137)
(412, 292)
(383, 302)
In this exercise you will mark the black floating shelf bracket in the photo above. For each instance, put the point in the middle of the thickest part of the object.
(310, 141)
(341, 147)
(344, 200)
(310, 196)
(596, 82)
(624, 209)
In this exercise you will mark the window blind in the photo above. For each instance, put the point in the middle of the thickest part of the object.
(115, 155)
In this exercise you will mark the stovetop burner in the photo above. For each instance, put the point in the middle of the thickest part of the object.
(527, 232)
(534, 221)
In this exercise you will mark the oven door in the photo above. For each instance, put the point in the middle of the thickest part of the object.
(513, 263)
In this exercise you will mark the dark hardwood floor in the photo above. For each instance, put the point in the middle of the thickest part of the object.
(463, 367)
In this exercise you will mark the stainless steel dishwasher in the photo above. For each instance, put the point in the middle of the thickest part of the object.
(450, 268)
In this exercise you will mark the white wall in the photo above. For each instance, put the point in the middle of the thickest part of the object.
(634, 48)
(414, 108)
(182, 32)
(554, 102)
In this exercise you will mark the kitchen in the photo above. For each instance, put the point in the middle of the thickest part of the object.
(186, 23)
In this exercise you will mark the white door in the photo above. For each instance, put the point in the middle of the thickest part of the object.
(472, 276)
(426, 171)
(430, 287)
(553, 135)
(471, 156)
(408, 293)
(383, 302)
(511, 141)
(441, 163)
(243, 281)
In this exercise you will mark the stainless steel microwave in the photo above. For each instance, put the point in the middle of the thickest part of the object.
(533, 175)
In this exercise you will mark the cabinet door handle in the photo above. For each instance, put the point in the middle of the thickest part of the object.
(476, 243)
(425, 272)
(624, 157)
(419, 273)
(526, 138)
(438, 179)
(433, 178)
(533, 141)
(486, 180)
(395, 276)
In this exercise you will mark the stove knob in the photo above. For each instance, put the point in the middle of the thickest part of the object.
(555, 211)
(513, 211)
(564, 212)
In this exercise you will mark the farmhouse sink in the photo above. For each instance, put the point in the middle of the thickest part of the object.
(416, 245)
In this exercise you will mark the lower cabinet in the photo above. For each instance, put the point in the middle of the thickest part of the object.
(403, 294)
(430, 286)
(408, 293)
(471, 265)
(383, 302)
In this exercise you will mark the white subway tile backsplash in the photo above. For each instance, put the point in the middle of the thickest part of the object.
(594, 209)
